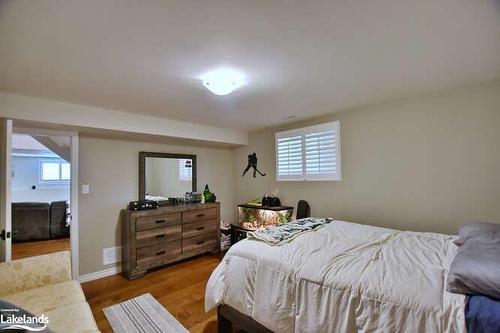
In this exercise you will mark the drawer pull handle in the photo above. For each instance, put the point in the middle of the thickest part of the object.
(200, 215)
(160, 253)
(200, 228)
(160, 236)
(159, 221)
(200, 242)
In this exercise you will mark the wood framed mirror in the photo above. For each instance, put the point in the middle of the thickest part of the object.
(164, 175)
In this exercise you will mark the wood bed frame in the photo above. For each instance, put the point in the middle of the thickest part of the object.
(227, 316)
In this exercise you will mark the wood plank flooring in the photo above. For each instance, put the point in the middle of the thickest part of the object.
(30, 249)
(180, 288)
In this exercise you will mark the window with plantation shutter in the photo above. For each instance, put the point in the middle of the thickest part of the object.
(185, 170)
(309, 153)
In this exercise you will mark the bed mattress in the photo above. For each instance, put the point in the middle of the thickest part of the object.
(345, 277)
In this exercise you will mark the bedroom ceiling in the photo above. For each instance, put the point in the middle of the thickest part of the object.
(300, 58)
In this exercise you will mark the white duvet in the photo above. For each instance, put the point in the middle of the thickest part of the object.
(345, 277)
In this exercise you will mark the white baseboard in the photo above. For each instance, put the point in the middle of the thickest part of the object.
(100, 274)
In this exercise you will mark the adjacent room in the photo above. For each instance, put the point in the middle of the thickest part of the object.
(250, 166)
(40, 194)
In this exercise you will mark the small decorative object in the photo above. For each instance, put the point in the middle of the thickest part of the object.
(252, 163)
(192, 197)
(270, 201)
(137, 205)
(257, 202)
(208, 196)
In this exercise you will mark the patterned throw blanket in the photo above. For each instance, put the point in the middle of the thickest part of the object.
(287, 232)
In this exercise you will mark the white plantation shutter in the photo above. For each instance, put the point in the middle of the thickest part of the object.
(321, 153)
(289, 157)
(310, 153)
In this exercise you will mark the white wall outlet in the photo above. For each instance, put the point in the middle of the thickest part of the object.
(111, 255)
(85, 189)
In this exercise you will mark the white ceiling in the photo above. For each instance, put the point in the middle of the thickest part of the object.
(25, 141)
(301, 58)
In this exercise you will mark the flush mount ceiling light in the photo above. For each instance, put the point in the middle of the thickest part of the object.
(223, 81)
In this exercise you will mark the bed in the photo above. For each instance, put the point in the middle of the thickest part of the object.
(344, 277)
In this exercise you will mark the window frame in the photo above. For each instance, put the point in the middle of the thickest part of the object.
(59, 181)
(337, 176)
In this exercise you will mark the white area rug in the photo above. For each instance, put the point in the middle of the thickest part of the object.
(142, 314)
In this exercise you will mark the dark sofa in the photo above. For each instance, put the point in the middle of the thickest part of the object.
(33, 221)
(58, 227)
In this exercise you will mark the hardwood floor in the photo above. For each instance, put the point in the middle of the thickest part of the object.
(180, 288)
(30, 249)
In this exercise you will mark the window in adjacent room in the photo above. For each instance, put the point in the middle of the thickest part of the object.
(54, 172)
(185, 170)
(309, 153)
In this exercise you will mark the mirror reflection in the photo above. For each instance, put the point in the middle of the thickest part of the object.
(167, 177)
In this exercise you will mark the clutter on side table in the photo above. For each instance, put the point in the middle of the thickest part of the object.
(225, 237)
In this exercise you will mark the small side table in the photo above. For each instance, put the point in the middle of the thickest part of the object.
(238, 233)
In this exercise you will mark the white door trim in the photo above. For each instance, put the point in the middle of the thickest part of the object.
(5, 181)
(74, 208)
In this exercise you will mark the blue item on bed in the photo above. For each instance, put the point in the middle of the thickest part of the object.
(482, 314)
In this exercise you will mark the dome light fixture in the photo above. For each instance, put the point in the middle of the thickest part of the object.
(223, 81)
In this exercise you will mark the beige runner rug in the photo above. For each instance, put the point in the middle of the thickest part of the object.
(142, 314)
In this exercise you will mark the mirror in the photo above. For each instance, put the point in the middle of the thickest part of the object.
(163, 176)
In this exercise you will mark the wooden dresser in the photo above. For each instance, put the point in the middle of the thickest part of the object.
(151, 238)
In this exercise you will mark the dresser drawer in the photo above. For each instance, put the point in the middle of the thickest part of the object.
(150, 255)
(199, 215)
(199, 244)
(159, 235)
(157, 221)
(198, 228)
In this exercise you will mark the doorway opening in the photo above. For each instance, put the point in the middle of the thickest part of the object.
(40, 194)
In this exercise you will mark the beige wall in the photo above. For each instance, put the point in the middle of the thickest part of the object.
(111, 169)
(428, 163)
(87, 118)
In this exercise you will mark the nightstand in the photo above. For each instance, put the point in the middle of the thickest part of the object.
(238, 233)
